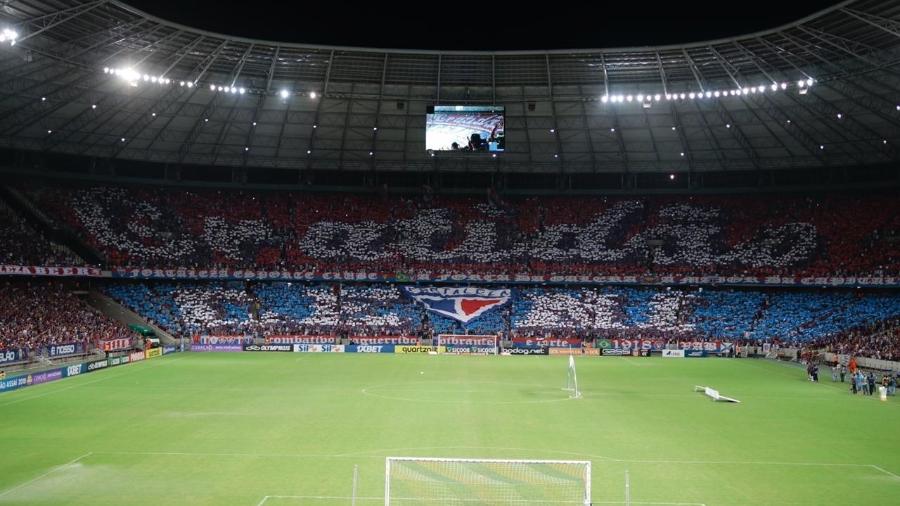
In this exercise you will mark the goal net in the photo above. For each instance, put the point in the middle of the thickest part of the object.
(572, 379)
(412, 481)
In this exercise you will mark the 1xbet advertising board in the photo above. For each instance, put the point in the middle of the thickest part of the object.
(369, 348)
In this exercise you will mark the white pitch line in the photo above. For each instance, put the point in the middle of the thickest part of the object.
(51, 471)
(627, 488)
(388, 451)
(648, 502)
(885, 471)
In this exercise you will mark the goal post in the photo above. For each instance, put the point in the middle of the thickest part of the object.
(572, 380)
(412, 481)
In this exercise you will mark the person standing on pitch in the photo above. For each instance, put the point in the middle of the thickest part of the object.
(871, 380)
(834, 372)
(843, 372)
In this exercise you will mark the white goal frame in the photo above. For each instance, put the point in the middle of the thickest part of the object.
(585, 463)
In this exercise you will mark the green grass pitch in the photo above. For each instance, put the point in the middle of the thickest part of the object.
(287, 429)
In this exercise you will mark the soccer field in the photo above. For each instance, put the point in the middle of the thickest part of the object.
(277, 429)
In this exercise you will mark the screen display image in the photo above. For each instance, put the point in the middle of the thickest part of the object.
(473, 128)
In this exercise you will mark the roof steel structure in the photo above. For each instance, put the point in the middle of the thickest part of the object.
(369, 107)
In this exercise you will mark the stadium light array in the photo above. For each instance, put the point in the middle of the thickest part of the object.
(134, 78)
(228, 89)
(646, 99)
(284, 94)
(9, 35)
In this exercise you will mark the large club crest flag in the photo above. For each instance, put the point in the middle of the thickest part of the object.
(463, 304)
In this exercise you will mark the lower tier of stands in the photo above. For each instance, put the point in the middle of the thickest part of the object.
(834, 317)
(43, 318)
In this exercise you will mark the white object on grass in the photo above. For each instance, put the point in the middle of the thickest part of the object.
(572, 380)
(714, 394)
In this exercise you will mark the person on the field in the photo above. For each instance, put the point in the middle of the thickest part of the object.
(834, 372)
(854, 384)
(843, 372)
(892, 384)
(871, 380)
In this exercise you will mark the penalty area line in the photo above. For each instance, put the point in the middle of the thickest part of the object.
(885, 471)
(316, 497)
(51, 471)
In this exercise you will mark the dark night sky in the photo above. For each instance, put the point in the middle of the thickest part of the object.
(482, 25)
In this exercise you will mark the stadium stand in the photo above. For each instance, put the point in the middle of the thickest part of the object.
(831, 235)
(265, 309)
(36, 314)
(20, 244)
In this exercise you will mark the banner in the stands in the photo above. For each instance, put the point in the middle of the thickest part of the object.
(301, 340)
(506, 279)
(531, 342)
(459, 303)
(61, 350)
(10, 356)
(224, 339)
(30, 270)
(397, 340)
(115, 344)
(482, 341)
(661, 344)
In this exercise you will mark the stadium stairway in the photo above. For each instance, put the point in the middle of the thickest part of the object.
(120, 313)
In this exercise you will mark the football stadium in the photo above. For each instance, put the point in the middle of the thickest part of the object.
(248, 272)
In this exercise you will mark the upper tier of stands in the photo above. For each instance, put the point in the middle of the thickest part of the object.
(266, 309)
(20, 244)
(828, 235)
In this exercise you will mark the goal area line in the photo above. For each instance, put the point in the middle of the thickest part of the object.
(380, 500)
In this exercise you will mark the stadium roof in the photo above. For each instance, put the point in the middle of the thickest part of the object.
(104, 79)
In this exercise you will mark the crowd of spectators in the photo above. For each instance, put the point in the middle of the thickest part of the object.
(877, 339)
(825, 235)
(749, 316)
(21, 244)
(39, 313)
